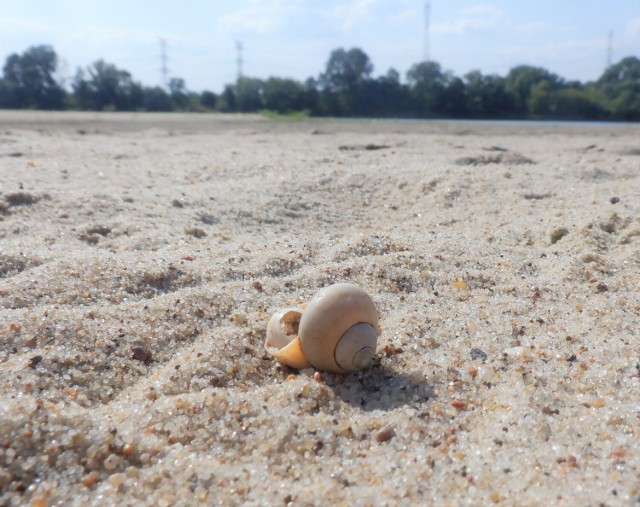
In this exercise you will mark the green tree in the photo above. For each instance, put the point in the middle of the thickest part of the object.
(157, 99)
(521, 80)
(30, 81)
(387, 96)
(344, 82)
(540, 98)
(227, 102)
(487, 96)
(178, 91)
(427, 85)
(248, 94)
(105, 87)
(620, 85)
(576, 103)
(7, 95)
(311, 100)
(283, 95)
(454, 100)
(208, 99)
(346, 69)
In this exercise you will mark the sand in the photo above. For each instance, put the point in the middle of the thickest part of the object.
(142, 255)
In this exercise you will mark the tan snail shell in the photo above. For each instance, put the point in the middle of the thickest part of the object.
(338, 331)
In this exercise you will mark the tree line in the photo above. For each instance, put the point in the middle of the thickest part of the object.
(346, 87)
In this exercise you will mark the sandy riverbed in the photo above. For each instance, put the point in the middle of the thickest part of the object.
(142, 255)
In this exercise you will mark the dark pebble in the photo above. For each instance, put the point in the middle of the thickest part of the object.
(141, 353)
(614, 200)
(385, 434)
(21, 198)
(33, 362)
(478, 354)
(196, 232)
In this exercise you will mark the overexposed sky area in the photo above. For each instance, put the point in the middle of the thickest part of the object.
(293, 38)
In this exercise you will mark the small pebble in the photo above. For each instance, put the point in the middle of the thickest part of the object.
(196, 232)
(460, 284)
(384, 434)
(117, 478)
(391, 350)
(477, 353)
(34, 361)
(614, 200)
(239, 319)
(459, 404)
(110, 462)
(141, 353)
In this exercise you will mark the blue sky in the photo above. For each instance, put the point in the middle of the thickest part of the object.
(293, 38)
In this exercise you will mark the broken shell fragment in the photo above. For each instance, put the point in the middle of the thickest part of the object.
(283, 327)
(338, 331)
(282, 340)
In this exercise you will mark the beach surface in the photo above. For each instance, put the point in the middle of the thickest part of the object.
(141, 256)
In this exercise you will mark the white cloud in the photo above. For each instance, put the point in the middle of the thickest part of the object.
(261, 16)
(534, 27)
(475, 17)
(346, 15)
(563, 47)
(631, 33)
(101, 37)
(556, 56)
(407, 15)
(20, 25)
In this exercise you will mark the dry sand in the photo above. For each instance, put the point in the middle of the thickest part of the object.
(142, 255)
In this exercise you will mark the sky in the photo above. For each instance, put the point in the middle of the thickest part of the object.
(294, 38)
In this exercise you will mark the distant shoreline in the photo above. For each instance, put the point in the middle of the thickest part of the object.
(124, 121)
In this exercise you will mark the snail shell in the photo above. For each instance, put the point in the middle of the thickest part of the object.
(338, 331)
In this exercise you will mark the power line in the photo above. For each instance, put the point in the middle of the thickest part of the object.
(164, 70)
(239, 60)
